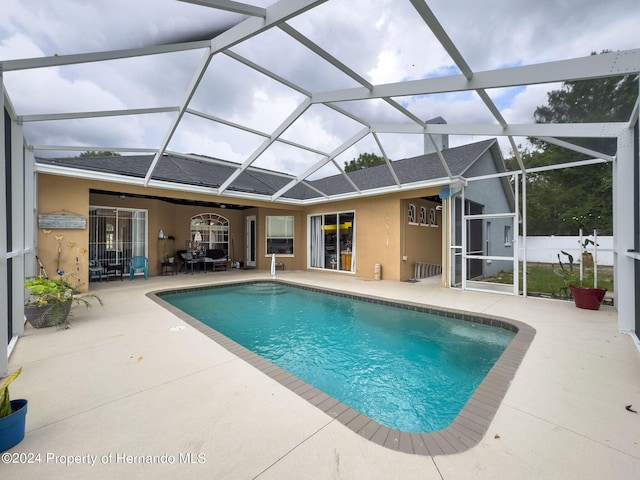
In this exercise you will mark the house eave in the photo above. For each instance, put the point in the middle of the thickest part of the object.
(180, 187)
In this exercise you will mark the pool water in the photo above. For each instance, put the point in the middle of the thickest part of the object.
(408, 370)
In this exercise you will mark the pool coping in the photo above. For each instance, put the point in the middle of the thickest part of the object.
(464, 432)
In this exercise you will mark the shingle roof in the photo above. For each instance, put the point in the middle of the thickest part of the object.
(201, 172)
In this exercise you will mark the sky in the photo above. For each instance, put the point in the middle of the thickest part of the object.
(383, 41)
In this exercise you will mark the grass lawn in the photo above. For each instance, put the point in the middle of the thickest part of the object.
(541, 279)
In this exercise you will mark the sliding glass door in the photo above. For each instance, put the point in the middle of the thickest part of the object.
(332, 241)
(116, 235)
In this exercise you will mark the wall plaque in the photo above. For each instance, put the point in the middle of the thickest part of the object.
(62, 221)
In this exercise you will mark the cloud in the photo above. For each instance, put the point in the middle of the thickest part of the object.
(382, 40)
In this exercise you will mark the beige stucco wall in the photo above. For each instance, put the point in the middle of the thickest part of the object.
(382, 234)
(58, 194)
(58, 249)
(422, 243)
(299, 259)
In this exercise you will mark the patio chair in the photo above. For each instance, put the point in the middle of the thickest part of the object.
(217, 259)
(138, 263)
(187, 258)
(95, 270)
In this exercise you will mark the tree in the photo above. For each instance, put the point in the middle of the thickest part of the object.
(94, 153)
(561, 201)
(364, 160)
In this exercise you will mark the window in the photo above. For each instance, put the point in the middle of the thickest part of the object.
(280, 237)
(210, 231)
(423, 215)
(507, 235)
(116, 234)
(433, 219)
(412, 213)
(332, 241)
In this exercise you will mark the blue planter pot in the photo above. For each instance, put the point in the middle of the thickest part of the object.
(12, 426)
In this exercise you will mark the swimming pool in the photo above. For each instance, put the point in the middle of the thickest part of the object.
(399, 382)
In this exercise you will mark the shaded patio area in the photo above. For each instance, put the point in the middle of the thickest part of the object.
(131, 387)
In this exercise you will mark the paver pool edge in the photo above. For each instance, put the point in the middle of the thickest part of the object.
(466, 430)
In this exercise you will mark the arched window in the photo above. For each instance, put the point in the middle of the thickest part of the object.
(412, 213)
(210, 231)
(423, 215)
(433, 219)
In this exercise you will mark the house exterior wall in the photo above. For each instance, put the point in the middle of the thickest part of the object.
(384, 237)
(484, 193)
(56, 196)
(377, 233)
(299, 259)
(382, 234)
(59, 193)
(423, 243)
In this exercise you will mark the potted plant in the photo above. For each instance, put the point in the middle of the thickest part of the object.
(583, 296)
(13, 415)
(50, 301)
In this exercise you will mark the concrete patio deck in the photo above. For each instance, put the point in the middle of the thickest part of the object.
(131, 388)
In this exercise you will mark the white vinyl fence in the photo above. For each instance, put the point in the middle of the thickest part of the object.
(546, 249)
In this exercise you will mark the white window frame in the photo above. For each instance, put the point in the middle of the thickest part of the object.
(423, 216)
(508, 240)
(288, 233)
(411, 214)
(213, 230)
(433, 218)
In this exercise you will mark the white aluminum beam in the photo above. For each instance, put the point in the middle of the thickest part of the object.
(310, 171)
(624, 62)
(4, 270)
(253, 131)
(318, 165)
(73, 59)
(292, 32)
(261, 149)
(276, 14)
(346, 70)
(577, 130)
(440, 156)
(517, 153)
(84, 148)
(430, 19)
(267, 72)
(228, 123)
(229, 6)
(634, 114)
(558, 166)
(45, 117)
(577, 148)
(191, 90)
(446, 42)
(386, 160)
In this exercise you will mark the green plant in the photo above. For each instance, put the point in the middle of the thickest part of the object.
(56, 295)
(5, 403)
(567, 271)
(571, 275)
(45, 291)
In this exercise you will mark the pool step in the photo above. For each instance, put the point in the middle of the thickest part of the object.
(266, 289)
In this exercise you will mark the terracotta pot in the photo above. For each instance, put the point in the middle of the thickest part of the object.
(588, 298)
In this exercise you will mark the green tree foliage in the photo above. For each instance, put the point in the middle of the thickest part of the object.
(94, 153)
(364, 160)
(559, 202)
